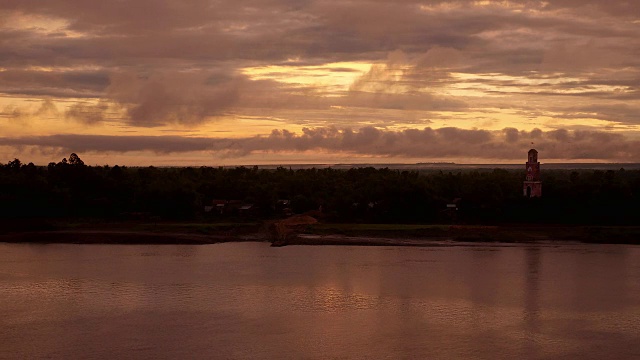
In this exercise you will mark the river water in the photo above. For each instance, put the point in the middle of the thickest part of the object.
(251, 301)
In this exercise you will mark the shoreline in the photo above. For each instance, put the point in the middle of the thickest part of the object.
(121, 237)
(334, 234)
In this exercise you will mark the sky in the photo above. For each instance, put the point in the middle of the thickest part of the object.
(208, 82)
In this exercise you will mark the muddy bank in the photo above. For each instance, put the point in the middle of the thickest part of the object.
(416, 235)
(121, 237)
(328, 234)
(366, 241)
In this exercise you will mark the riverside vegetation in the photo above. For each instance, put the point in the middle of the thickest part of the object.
(69, 190)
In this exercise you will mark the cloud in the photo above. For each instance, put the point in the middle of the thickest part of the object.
(428, 143)
(587, 56)
(13, 112)
(46, 109)
(402, 83)
(106, 143)
(87, 113)
(45, 83)
(181, 64)
(174, 97)
(116, 33)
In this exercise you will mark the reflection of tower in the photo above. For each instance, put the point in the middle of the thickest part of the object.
(532, 186)
(532, 301)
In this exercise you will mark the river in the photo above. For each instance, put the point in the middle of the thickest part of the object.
(252, 301)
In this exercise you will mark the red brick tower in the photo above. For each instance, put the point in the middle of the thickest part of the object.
(532, 186)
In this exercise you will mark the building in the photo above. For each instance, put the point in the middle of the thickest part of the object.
(532, 186)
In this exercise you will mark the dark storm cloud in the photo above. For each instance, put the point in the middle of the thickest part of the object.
(427, 143)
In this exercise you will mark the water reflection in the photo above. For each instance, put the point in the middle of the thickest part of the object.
(252, 301)
(532, 300)
(184, 251)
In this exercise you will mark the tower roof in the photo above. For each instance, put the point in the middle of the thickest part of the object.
(533, 150)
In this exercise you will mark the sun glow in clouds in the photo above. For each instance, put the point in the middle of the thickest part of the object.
(330, 78)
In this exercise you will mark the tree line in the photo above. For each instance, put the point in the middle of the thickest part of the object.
(71, 189)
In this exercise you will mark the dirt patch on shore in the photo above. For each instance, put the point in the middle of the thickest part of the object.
(285, 231)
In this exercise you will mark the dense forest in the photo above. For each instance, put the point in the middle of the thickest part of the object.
(70, 189)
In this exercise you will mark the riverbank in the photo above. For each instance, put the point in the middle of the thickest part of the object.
(429, 235)
(316, 234)
(511, 233)
(122, 237)
(103, 232)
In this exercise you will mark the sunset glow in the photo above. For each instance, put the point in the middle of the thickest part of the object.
(223, 83)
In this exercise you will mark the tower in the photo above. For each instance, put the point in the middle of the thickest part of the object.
(532, 186)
